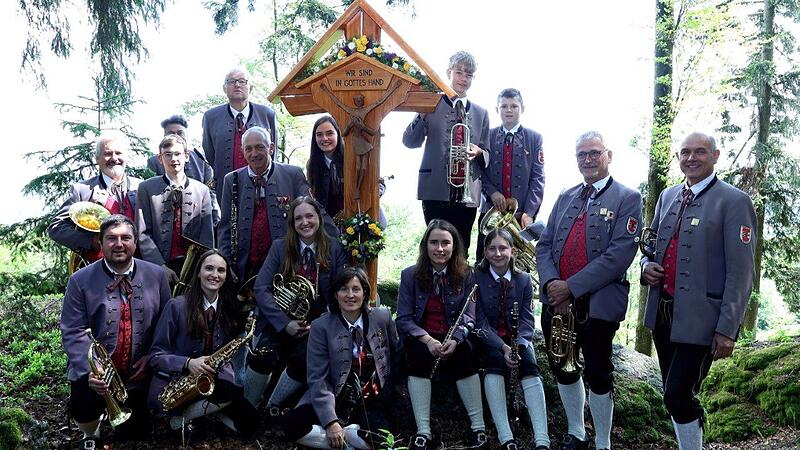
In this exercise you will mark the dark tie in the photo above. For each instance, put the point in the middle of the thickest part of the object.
(121, 282)
(586, 193)
(240, 123)
(261, 185)
(503, 294)
(308, 259)
(176, 196)
(334, 178)
(438, 283)
(686, 197)
(119, 194)
(509, 138)
(210, 314)
(358, 343)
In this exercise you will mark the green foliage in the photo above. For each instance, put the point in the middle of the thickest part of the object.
(639, 411)
(11, 422)
(754, 383)
(402, 242)
(388, 441)
(387, 290)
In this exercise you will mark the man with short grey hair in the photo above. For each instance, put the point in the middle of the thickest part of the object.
(583, 257)
(224, 125)
(111, 189)
(700, 276)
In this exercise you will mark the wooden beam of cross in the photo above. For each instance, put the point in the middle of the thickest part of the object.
(359, 91)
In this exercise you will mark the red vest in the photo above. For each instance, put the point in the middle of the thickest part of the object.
(573, 257)
(669, 264)
(177, 249)
(238, 156)
(260, 236)
(434, 319)
(507, 162)
(122, 354)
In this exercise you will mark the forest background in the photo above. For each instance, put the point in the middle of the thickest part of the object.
(642, 73)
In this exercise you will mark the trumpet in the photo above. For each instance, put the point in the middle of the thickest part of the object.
(458, 167)
(98, 358)
(647, 242)
(562, 342)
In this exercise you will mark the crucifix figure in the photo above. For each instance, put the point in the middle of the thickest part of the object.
(362, 144)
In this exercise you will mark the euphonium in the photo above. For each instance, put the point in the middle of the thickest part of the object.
(525, 255)
(293, 295)
(188, 387)
(189, 267)
(562, 342)
(458, 169)
(98, 358)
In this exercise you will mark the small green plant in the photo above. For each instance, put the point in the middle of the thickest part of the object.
(388, 441)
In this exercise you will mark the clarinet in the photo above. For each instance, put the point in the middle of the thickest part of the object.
(235, 222)
(452, 330)
(513, 373)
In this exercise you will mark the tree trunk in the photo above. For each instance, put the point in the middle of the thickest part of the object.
(661, 140)
(764, 102)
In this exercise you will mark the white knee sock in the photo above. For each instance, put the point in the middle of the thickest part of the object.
(573, 397)
(537, 409)
(352, 437)
(419, 389)
(315, 438)
(690, 435)
(89, 429)
(469, 389)
(254, 385)
(495, 387)
(602, 409)
(193, 411)
(285, 388)
(227, 421)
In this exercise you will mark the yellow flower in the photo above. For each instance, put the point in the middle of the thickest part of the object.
(350, 230)
(377, 231)
(378, 50)
(363, 39)
(341, 54)
(354, 252)
(360, 47)
(406, 66)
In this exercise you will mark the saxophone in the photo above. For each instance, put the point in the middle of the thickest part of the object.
(98, 358)
(187, 387)
(513, 373)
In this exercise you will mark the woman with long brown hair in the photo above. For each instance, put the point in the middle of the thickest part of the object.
(307, 251)
(325, 167)
(192, 327)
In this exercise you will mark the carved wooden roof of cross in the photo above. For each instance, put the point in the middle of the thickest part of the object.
(359, 19)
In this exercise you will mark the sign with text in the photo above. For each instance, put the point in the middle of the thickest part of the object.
(359, 76)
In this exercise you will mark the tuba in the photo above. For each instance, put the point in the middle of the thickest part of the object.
(87, 216)
(562, 342)
(189, 267)
(525, 250)
(647, 242)
(188, 387)
(293, 295)
(458, 168)
(98, 358)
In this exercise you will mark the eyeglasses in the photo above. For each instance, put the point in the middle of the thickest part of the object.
(593, 154)
(172, 155)
(241, 82)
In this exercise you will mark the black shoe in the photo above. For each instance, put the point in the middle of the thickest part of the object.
(570, 442)
(419, 442)
(90, 443)
(510, 445)
(542, 447)
(480, 439)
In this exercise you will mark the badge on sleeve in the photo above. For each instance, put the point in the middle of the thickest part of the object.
(745, 234)
(541, 156)
(633, 225)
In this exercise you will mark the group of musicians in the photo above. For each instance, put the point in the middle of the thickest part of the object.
(335, 359)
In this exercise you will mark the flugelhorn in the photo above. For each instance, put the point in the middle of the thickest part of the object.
(98, 358)
(562, 342)
(458, 168)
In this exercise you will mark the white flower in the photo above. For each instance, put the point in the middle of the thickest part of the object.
(351, 45)
(316, 69)
(369, 52)
(395, 66)
(412, 70)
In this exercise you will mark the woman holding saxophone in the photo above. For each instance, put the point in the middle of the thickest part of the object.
(291, 290)
(192, 327)
(505, 315)
(435, 314)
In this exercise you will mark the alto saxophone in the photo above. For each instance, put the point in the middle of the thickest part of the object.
(188, 387)
(562, 342)
(452, 330)
(98, 358)
(513, 372)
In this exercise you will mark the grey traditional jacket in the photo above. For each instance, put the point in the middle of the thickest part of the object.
(218, 128)
(88, 304)
(330, 357)
(411, 302)
(434, 131)
(527, 174)
(197, 168)
(269, 312)
(520, 290)
(173, 346)
(64, 231)
(155, 217)
(285, 183)
(715, 261)
(612, 223)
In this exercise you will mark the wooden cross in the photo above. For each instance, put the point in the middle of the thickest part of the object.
(359, 91)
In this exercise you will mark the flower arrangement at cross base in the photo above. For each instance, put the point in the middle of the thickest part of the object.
(374, 50)
(362, 237)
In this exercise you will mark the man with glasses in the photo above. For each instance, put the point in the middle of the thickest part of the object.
(224, 125)
(197, 168)
(582, 259)
(700, 279)
(173, 211)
